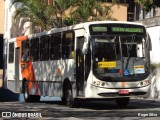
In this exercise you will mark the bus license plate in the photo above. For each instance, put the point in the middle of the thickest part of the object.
(123, 92)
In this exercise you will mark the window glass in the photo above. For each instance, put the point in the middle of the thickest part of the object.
(129, 50)
(44, 48)
(11, 52)
(68, 45)
(34, 47)
(55, 43)
(25, 50)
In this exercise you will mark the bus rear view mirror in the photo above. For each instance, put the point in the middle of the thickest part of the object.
(85, 45)
(139, 50)
(85, 48)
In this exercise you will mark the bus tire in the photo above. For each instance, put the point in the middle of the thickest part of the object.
(122, 102)
(36, 98)
(27, 97)
(68, 96)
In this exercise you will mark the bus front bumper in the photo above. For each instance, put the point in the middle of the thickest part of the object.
(92, 91)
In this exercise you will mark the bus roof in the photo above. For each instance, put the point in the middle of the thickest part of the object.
(80, 26)
(86, 24)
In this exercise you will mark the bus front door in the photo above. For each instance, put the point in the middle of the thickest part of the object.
(80, 67)
(17, 52)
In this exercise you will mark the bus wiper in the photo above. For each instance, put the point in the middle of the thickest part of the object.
(129, 47)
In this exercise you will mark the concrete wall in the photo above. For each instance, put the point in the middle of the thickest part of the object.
(1, 36)
(154, 33)
(118, 11)
(1, 16)
(153, 28)
(14, 27)
(141, 14)
(154, 91)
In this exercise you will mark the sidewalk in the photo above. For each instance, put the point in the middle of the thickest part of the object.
(5, 94)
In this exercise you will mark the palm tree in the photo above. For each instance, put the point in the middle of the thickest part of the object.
(52, 16)
(60, 8)
(90, 10)
(55, 15)
(33, 11)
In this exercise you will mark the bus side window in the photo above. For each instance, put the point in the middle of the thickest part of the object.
(25, 51)
(34, 49)
(11, 53)
(44, 48)
(68, 45)
(55, 43)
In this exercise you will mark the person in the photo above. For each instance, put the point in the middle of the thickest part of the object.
(24, 57)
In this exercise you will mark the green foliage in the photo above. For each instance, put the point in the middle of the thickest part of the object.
(46, 16)
(35, 12)
(154, 66)
(90, 10)
(148, 4)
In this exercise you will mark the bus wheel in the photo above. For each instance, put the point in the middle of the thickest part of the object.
(122, 102)
(36, 98)
(27, 97)
(30, 98)
(68, 97)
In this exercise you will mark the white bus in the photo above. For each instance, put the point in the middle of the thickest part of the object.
(91, 61)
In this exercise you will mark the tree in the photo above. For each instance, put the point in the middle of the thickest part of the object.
(52, 16)
(89, 10)
(60, 9)
(55, 15)
(33, 11)
(148, 4)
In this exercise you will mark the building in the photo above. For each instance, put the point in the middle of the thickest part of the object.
(1, 31)
(151, 20)
(1, 38)
(2, 17)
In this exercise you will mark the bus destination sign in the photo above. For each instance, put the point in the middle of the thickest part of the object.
(121, 29)
(99, 29)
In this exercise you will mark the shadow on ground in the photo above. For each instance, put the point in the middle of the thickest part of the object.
(7, 95)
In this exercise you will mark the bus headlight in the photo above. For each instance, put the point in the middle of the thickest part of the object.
(143, 83)
(99, 83)
(103, 84)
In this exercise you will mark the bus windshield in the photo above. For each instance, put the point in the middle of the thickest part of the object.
(119, 56)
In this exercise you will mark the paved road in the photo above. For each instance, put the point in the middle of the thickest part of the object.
(137, 110)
